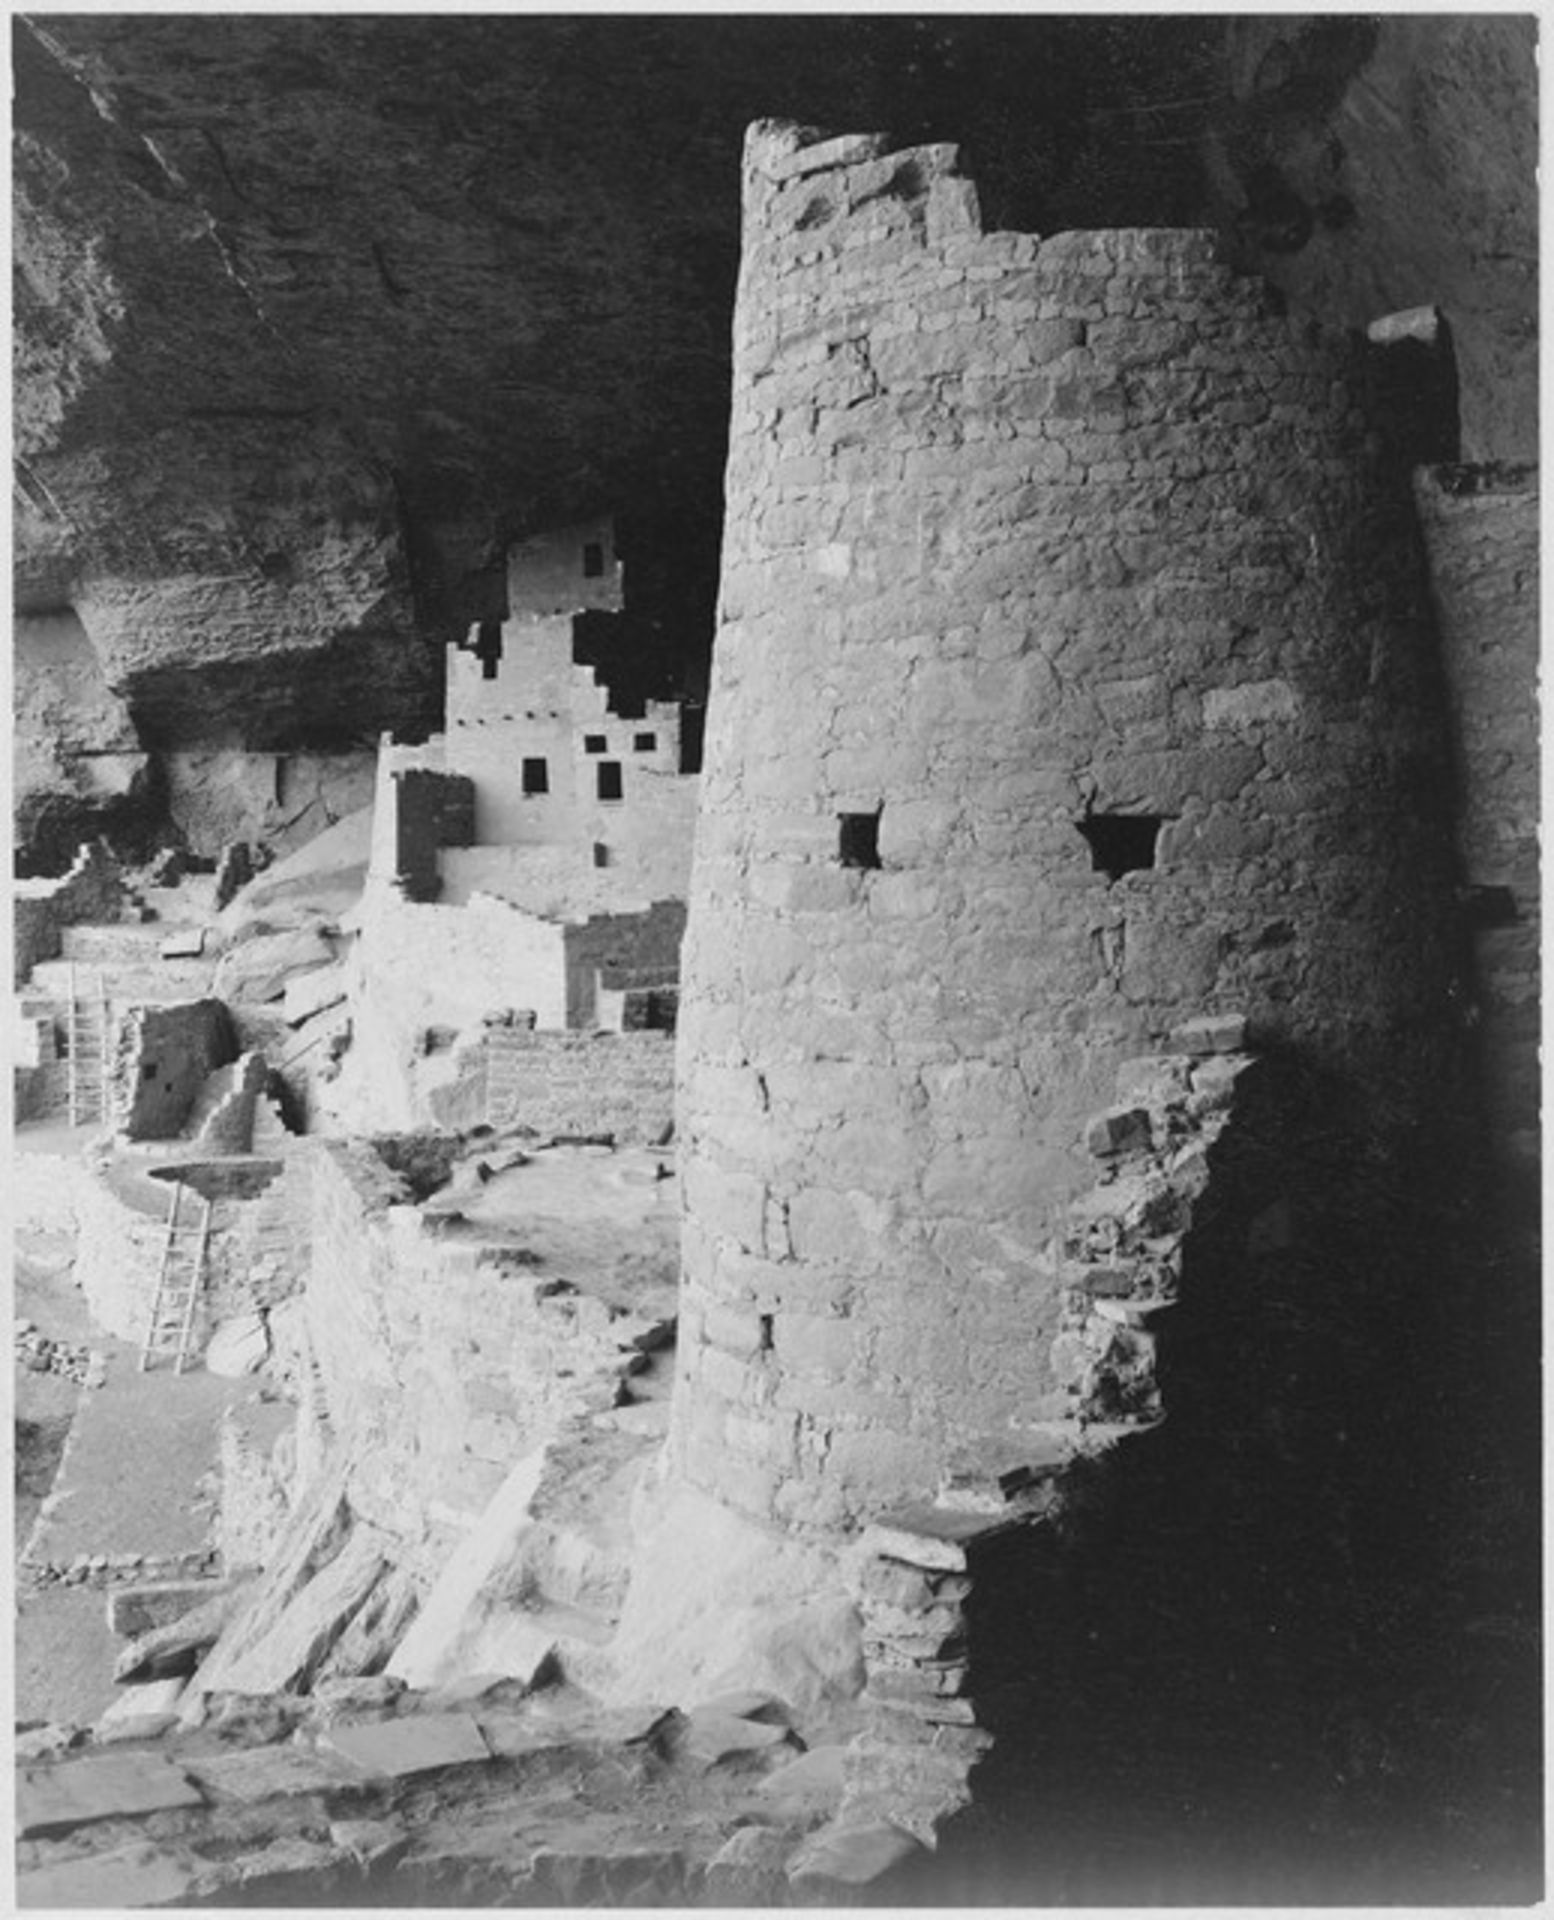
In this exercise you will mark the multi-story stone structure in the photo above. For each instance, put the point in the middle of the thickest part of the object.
(534, 857)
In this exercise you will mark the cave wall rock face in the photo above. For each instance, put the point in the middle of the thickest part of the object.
(1370, 164)
(183, 483)
(1072, 679)
(316, 315)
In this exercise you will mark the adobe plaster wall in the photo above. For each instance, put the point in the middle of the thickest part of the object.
(538, 704)
(1020, 533)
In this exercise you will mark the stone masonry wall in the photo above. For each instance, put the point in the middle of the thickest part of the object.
(619, 1083)
(1073, 677)
(441, 1358)
(1481, 530)
(42, 909)
(431, 810)
(165, 1056)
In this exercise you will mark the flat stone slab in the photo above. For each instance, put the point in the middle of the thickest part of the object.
(264, 1773)
(932, 1537)
(813, 1783)
(188, 943)
(419, 1744)
(1213, 1033)
(852, 1856)
(130, 1877)
(133, 1611)
(108, 1787)
(712, 1736)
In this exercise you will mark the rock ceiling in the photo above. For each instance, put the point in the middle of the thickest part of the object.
(316, 313)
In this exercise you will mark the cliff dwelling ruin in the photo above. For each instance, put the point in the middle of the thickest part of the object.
(841, 1214)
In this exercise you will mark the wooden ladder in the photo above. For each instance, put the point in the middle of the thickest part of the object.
(88, 1067)
(180, 1279)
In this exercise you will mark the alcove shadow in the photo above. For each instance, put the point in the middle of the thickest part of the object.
(1283, 1649)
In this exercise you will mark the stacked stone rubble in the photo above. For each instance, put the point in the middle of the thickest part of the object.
(1122, 1243)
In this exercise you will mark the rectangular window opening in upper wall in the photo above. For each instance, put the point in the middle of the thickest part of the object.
(536, 776)
(644, 743)
(593, 560)
(609, 779)
(594, 742)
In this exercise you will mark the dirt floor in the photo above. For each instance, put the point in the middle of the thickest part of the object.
(125, 1468)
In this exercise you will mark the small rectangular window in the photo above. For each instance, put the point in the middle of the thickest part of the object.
(601, 854)
(858, 843)
(536, 777)
(610, 780)
(594, 743)
(593, 560)
(644, 743)
(1121, 842)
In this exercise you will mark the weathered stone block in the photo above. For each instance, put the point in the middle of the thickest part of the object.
(113, 1787)
(419, 1743)
(1120, 1130)
(1215, 1033)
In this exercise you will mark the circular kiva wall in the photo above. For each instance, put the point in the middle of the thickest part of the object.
(1067, 686)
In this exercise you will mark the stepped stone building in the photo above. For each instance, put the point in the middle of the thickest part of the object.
(534, 857)
(1075, 680)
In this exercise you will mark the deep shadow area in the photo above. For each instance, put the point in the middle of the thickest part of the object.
(1285, 1648)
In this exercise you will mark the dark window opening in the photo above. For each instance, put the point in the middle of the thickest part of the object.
(536, 777)
(859, 840)
(610, 780)
(1122, 842)
(593, 560)
(148, 1071)
(1490, 907)
(488, 648)
(594, 743)
(1414, 399)
(644, 742)
(601, 854)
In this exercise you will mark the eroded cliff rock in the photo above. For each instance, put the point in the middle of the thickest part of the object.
(1375, 163)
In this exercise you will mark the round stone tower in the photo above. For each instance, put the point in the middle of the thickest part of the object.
(1069, 684)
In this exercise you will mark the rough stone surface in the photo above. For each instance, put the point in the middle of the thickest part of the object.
(420, 1745)
(1481, 532)
(106, 1788)
(1013, 509)
(1377, 164)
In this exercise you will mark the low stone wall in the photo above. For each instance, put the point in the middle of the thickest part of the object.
(119, 1217)
(165, 1056)
(563, 1083)
(441, 1358)
(44, 908)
